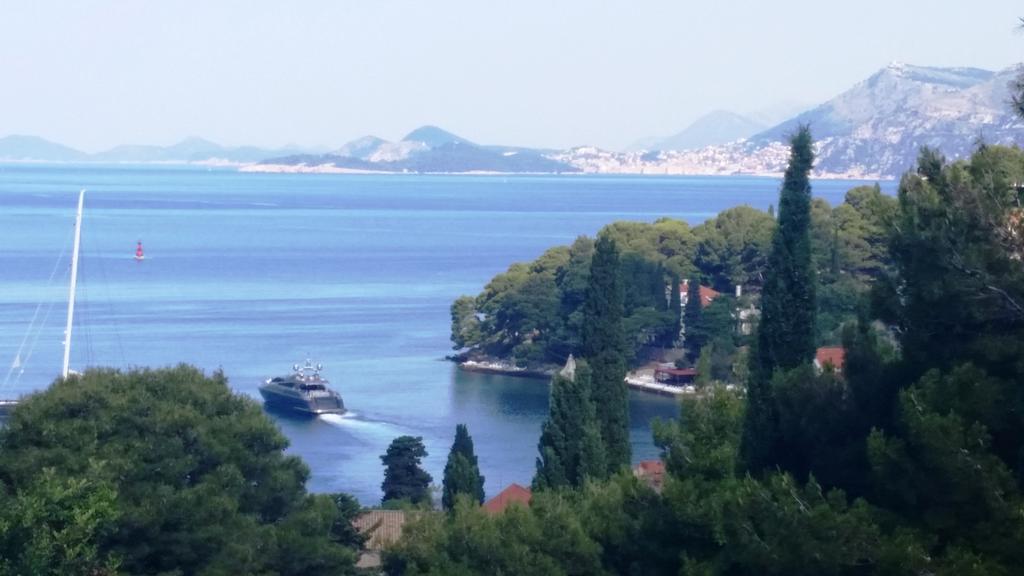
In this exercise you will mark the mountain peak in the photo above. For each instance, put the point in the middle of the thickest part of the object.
(957, 78)
(434, 137)
(24, 147)
(715, 127)
(878, 125)
(195, 141)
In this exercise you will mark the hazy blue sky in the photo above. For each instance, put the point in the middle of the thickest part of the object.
(557, 73)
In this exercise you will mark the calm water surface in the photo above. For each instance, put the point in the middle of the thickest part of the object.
(252, 273)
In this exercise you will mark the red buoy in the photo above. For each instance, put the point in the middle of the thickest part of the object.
(138, 252)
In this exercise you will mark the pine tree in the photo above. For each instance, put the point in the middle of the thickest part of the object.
(462, 472)
(570, 443)
(785, 337)
(404, 479)
(675, 307)
(604, 347)
(693, 315)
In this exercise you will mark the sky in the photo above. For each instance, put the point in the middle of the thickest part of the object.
(93, 74)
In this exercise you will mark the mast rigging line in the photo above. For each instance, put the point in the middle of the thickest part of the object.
(74, 284)
(32, 332)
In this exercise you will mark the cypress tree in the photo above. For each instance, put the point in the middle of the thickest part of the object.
(604, 347)
(675, 307)
(462, 472)
(570, 443)
(785, 337)
(693, 315)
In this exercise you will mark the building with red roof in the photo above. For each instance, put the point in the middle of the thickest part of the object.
(381, 528)
(652, 472)
(513, 495)
(706, 294)
(829, 356)
(676, 376)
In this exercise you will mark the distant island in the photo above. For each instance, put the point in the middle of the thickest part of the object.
(21, 148)
(428, 149)
(871, 131)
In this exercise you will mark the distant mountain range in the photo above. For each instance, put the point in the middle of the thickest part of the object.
(873, 130)
(715, 128)
(18, 148)
(33, 148)
(426, 149)
(880, 124)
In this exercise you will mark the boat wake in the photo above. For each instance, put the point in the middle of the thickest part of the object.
(354, 423)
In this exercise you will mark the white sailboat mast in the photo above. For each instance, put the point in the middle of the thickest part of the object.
(74, 283)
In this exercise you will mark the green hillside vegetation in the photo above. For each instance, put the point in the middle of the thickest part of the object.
(532, 314)
(908, 462)
(160, 472)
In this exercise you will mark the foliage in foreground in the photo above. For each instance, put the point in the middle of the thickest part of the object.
(52, 528)
(404, 479)
(708, 520)
(785, 335)
(462, 472)
(570, 444)
(605, 348)
(160, 472)
(907, 463)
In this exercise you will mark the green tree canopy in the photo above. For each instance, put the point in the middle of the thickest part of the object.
(605, 349)
(462, 472)
(465, 324)
(55, 527)
(201, 479)
(732, 248)
(957, 246)
(570, 444)
(785, 336)
(404, 479)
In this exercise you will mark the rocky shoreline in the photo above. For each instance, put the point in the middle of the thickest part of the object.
(504, 369)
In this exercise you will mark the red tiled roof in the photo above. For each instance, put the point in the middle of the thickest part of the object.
(651, 467)
(834, 355)
(652, 472)
(706, 294)
(514, 494)
(381, 527)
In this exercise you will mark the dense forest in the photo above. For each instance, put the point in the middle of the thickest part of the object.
(532, 314)
(908, 461)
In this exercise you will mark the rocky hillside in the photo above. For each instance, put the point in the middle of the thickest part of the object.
(878, 126)
(873, 130)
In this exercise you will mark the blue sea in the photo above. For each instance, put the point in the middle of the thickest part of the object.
(252, 273)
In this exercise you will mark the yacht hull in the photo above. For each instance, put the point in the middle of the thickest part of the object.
(295, 403)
